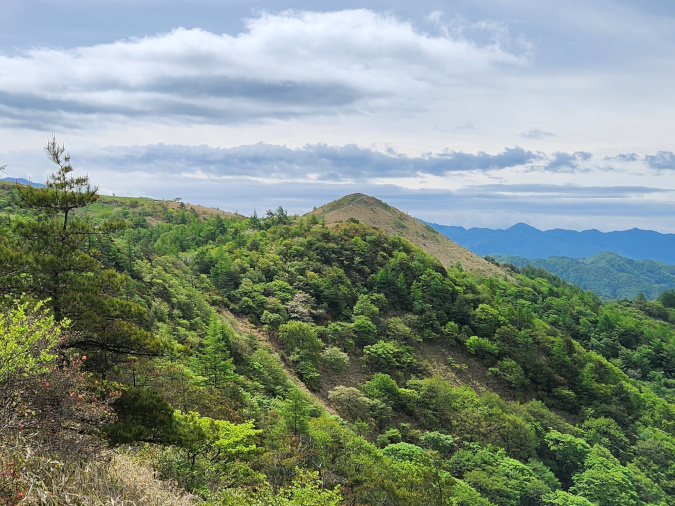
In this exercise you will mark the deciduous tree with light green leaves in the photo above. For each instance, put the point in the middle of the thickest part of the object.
(28, 334)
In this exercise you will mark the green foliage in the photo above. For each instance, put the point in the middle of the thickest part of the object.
(437, 441)
(482, 347)
(562, 498)
(335, 359)
(406, 452)
(604, 481)
(350, 402)
(295, 412)
(57, 257)
(206, 449)
(511, 371)
(296, 335)
(566, 455)
(388, 355)
(330, 295)
(607, 433)
(365, 331)
(142, 415)
(28, 335)
(215, 360)
(305, 490)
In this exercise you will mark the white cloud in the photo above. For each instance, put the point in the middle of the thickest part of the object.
(296, 63)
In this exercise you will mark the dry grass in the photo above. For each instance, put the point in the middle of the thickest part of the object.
(111, 478)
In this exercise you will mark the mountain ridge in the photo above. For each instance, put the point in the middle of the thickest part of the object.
(607, 274)
(529, 242)
(22, 180)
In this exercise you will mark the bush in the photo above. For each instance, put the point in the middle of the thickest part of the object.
(511, 372)
(304, 365)
(482, 347)
(406, 452)
(364, 329)
(386, 355)
(335, 359)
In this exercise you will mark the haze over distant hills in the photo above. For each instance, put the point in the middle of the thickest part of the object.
(526, 241)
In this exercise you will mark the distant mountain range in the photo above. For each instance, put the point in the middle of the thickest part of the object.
(22, 180)
(526, 241)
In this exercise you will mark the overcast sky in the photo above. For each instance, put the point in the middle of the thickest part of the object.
(468, 112)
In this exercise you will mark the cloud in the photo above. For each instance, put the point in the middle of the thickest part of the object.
(623, 157)
(568, 162)
(537, 134)
(319, 162)
(663, 160)
(291, 64)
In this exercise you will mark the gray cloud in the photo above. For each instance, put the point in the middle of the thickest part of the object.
(537, 134)
(263, 176)
(568, 162)
(320, 161)
(663, 160)
(623, 157)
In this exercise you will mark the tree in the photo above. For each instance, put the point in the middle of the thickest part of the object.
(605, 481)
(567, 455)
(44, 390)
(351, 402)
(215, 359)
(306, 490)
(27, 339)
(299, 335)
(388, 355)
(55, 259)
(295, 413)
(206, 448)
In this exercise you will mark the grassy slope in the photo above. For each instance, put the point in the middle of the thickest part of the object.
(376, 213)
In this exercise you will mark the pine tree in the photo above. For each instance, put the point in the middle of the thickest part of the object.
(54, 257)
(215, 360)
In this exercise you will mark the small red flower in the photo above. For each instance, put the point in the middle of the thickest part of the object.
(19, 495)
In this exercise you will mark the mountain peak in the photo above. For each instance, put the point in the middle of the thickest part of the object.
(522, 227)
(376, 213)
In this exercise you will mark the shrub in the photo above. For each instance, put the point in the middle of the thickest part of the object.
(387, 355)
(335, 359)
(511, 372)
(482, 347)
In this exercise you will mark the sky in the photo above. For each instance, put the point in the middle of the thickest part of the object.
(477, 113)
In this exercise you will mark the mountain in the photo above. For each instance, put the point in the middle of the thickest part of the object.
(21, 180)
(298, 360)
(529, 242)
(607, 274)
(378, 214)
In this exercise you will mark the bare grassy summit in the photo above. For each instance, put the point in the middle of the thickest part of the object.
(374, 212)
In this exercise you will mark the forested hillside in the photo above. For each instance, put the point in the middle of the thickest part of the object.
(283, 360)
(607, 274)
